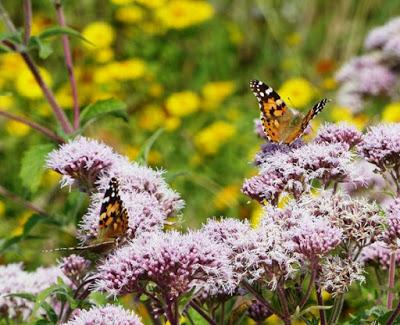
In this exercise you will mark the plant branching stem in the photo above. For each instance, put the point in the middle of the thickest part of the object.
(57, 110)
(36, 126)
(203, 314)
(394, 315)
(69, 64)
(322, 315)
(19, 200)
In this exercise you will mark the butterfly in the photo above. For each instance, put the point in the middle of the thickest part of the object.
(281, 124)
(113, 221)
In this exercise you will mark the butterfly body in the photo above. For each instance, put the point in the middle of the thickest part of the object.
(281, 124)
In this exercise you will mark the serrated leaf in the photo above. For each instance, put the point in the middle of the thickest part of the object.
(100, 108)
(32, 165)
(59, 31)
(145, 149)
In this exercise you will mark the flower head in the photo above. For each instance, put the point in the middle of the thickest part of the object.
(315, 237)
(258, 312)
(381, 146)
(74, 267)
(379, 254)
(82, 160)
(337, 274)
(108, 314)
(380, 36)
(339, 133)
(391, 235)
(175, 263)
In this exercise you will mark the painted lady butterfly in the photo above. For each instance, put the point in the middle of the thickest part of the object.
(280, 123)
(113, 221)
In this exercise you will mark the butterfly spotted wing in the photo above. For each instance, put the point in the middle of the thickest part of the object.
(113, 220)
(280, 123)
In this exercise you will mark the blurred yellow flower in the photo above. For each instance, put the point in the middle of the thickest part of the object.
(26, 85)
(235, 33)
(154, 157)
(214, 93)
(156, 90)
(38, 24)
(6, 101)
(43, 109)
(341, 113)
(180, 14)
(293, 39)
(172, 123)
(182, 103)
(100, 34)
(210, 139)
(297, 92)
(121, 2)
(16, 128)
(129, 14)
(227, 197)
(256, 214)
(104, 55)
(329, 83)
(64, 96)
(121, 70)
(50, 178)
(132, 152)
(391, 112)
(2, 208)
(11, 65)
(151, 117)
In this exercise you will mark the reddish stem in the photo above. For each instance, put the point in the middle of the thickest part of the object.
(42, 129)
(69, 64)
(392, 269)
(27, 20)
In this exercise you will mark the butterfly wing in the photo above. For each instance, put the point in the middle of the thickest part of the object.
(313, 112)
(275, 114)
(113, 221)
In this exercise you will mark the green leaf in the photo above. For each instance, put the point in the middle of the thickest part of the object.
(196, 317)
(43, 46)
(32, 165)
(32, 221)
(51, 314)
(100, 108)
(23, 295)
(59, 31)
(145, 149)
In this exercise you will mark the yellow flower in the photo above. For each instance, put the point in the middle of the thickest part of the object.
(132, 152)
(154, 157)
(121, 70)
(391, 112)
(183, 103)
(210, 139)
(121, 2)
(64, 96)
(297, 92)
(156, 90)
(329, 83)
(129, 14)
(6, 101)
(11, 65)
(172, 123)
(2, 208)
(341, 113)
(50, 178)
(38, 24)
(16, 128)
(151, 117)
(44, 109)
(214, 93)
(235, 33)
(180, 14)
(227, 197)
(256, 214)
(293, 39)
(100, 34)
(104, 55)
(27, 86)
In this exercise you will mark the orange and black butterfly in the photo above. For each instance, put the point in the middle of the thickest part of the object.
(113, 221)
(281, 124)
